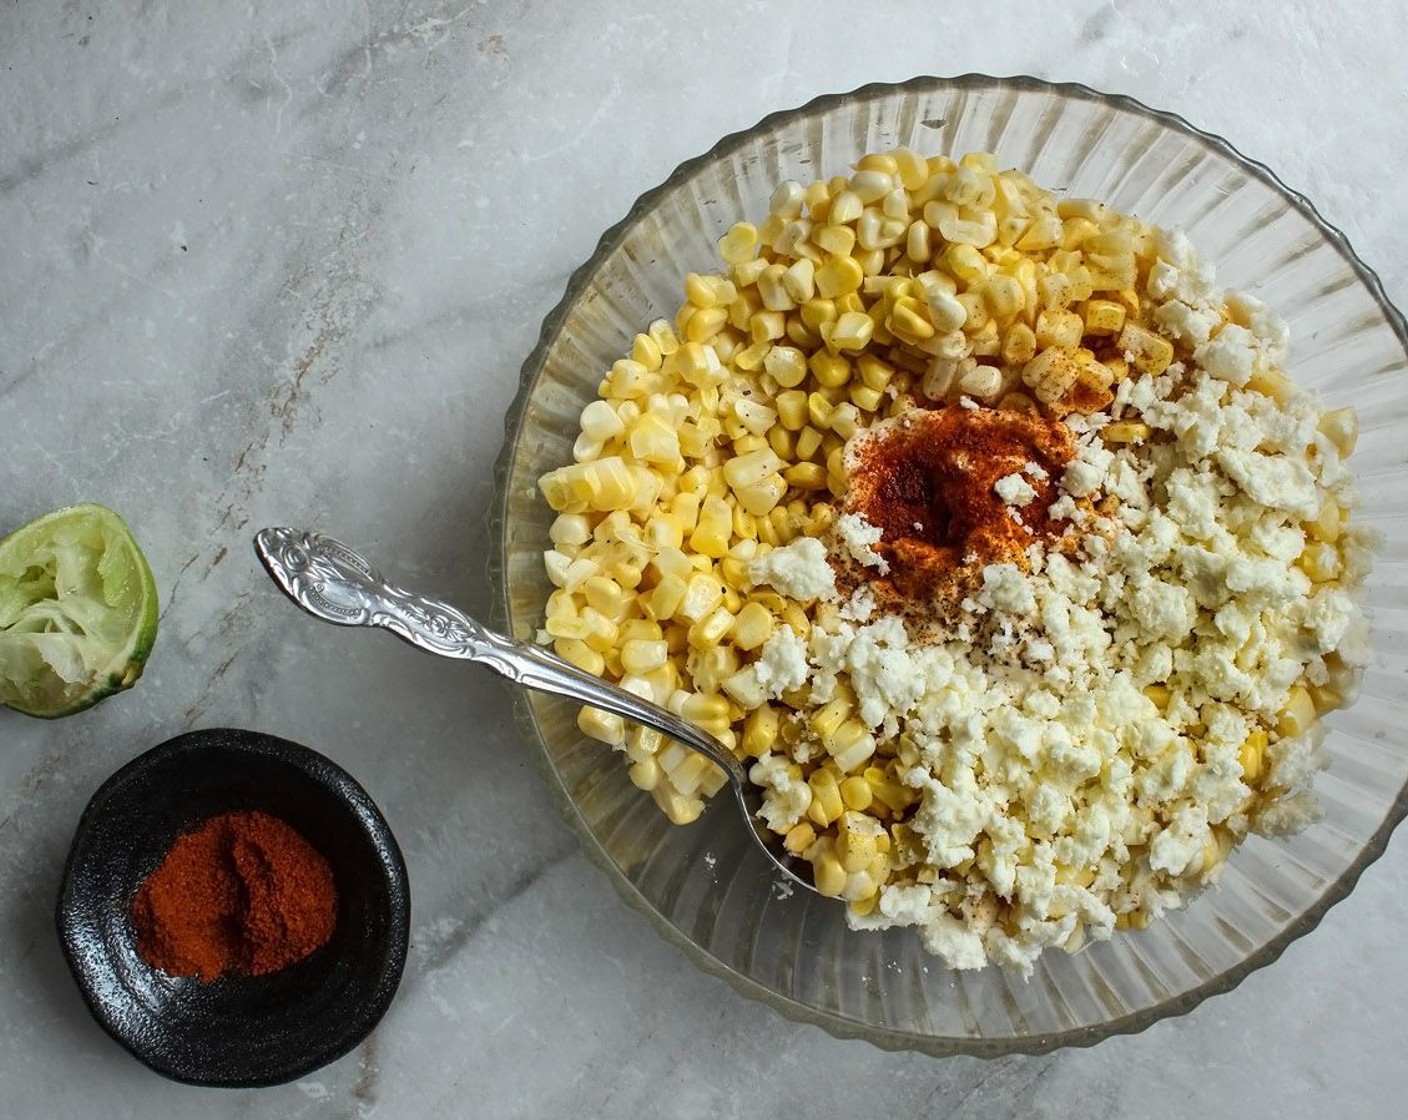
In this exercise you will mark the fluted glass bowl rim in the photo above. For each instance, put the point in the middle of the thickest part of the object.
(580, 280)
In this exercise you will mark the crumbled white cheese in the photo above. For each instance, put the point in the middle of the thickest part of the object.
(860, 538)
(786, 796)
(1015, 490)
(798, 570)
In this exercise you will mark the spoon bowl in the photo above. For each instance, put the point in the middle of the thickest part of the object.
(336, 584)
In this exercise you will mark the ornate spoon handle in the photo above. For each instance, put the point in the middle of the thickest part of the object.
(332, 582)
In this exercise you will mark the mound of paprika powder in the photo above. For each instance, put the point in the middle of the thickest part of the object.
(242, 894)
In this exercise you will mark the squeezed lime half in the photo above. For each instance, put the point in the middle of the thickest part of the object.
(78, 609)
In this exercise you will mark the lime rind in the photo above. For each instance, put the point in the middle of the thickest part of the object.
(78, 611)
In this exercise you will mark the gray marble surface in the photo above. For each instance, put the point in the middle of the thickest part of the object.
(280, 263)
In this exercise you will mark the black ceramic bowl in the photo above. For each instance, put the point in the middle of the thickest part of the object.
(235, 1031)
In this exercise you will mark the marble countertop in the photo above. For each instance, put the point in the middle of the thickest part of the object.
(280, 263)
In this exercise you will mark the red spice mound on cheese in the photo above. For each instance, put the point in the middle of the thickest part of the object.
(927, 480)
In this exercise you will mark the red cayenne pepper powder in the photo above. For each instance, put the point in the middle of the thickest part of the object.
(927, 479)
(244, 893)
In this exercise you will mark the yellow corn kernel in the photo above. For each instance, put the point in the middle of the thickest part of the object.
(663, 335)
(805, 476)
(639, 656)
(1160, 694)
(1341, 427)
(739, 244)
(679, 808)
(799, 334)
(703, 593)
(1075, 876)
(826, 805)
(800, 280)
(1298, 715)
(602, 726)
(766, 327)
(850, 301)
(910, 168)
(809, 438)
(792, 408)
(1051, 374)
(711, 535)
(1103, 317)
(745, 525)
(667, 596)
(1044, 233)
(1145, 350)
(1125, 431)
(1058, 328)
(800, 837)
(787, 199)
(817, 311)
(1004, 297)
(982, 383)
(851, 745)
(751, 468)
(855, 841)
(1328, 523)
(761, 497)
(909, 321)
(975, 311)
(710, 630)
(839, 276)
(1320, 561)
(786, 365)
(837, 240)
(828, 875)
(1019, 344)
(1251, 755)
(828, 718)
(773, 290)
(782, 442)
(852, 330)
(845, 207)
(918, 244)
(856, 793)
(1017, 402)
(874, 372)
(1272, 383)
(760, 730)
(645, 775)
(579, 654)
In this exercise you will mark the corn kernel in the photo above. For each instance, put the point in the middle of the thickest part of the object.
(1320, 561)
(1103, 317)
(838, 276)
(1058, 328)
(800, 837)
(826, 805)
(603, 726)
(1297, 716)
(828, 875)
(1250, 756)
(1341, 427)
(1145, 350)
(852, 330)
(1125, 431)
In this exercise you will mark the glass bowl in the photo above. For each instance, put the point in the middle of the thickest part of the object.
(701, 886)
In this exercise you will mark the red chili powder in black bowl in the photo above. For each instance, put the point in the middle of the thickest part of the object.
(243, 894)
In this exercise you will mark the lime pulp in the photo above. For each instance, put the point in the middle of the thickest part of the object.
(78, 611)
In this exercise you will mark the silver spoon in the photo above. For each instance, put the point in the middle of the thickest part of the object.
(332, 582)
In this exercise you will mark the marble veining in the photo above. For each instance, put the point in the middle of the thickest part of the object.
(279, 263)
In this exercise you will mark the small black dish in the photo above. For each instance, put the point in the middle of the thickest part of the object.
(235, 1031)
